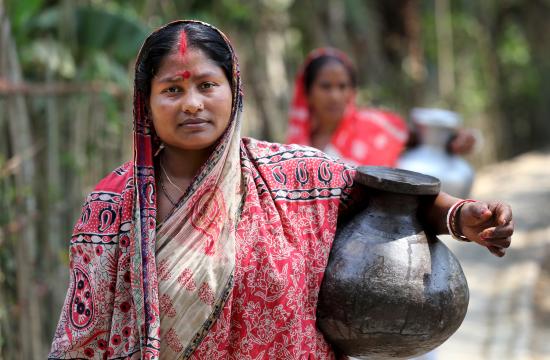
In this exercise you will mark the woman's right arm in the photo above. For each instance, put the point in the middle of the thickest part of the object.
(98, 317)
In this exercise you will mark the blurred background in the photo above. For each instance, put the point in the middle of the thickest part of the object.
(66, 73)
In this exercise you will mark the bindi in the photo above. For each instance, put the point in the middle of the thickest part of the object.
(184, 74)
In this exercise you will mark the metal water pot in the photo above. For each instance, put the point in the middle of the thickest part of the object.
(435, 127)
(391, 289)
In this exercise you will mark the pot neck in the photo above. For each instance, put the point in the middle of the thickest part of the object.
(435, 136)
(392, 203)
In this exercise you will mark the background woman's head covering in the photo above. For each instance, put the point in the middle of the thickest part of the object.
(299, 126)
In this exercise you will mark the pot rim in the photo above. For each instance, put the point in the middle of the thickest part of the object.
(397, 180)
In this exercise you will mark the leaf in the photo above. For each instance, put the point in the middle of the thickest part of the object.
(115, 33)
(21, 11)
(52, 55)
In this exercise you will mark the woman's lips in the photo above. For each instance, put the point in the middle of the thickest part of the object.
(334, 109)
(194, 123)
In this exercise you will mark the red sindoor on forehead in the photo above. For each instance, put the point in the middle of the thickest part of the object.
(182, 50)
(183, 43)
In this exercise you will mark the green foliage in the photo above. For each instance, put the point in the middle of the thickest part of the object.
(115, 33)
(515, 57)
(49, 55)
(105, 40)
(20, 14)
(514, 49)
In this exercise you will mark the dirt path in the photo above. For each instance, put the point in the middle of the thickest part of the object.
(509, 311)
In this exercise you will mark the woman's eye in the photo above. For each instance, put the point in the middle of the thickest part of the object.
(207, 85)
(172, 89)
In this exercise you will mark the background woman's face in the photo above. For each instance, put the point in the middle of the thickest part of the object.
(190, 100)
(330, 92)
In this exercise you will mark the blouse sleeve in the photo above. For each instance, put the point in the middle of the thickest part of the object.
(98, 300)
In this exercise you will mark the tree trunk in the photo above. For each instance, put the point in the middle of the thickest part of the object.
(415, 53)
(56, 201)
(267, 76)
(445, 58)
(366, 40)
(26, 206)
(495, 129)
(7, 338)
(537, 27)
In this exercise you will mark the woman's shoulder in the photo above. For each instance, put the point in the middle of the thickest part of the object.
(117, 180)
(108, 204)
(265, 147)
(382, 117)
(292, 166)
(266, 152)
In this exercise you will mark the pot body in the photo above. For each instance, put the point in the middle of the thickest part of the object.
(390, 289)
(435, 127)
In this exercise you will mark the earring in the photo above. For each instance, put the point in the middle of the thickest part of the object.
(161, 147)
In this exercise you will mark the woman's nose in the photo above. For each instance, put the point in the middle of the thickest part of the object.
(336, 93)
(192, 103)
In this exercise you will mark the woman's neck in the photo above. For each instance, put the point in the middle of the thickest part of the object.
(322, 131)
(323, 126)
(183, 164)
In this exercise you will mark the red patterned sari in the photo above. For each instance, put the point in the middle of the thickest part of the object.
(363, 137)
(234, 271)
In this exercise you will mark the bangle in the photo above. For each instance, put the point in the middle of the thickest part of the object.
(452, 217)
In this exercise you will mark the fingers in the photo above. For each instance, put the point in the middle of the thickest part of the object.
(463, 142)
(498, 243)
(483, 211)
(497, 239)
(503, 212)
(498, 232)
(491, 224)
(496, 251)
(475, 213)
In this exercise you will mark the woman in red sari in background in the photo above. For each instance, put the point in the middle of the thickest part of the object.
(324, 115)
(208, 245)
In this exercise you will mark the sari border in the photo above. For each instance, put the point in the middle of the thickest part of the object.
(207, 324)
(123, 357)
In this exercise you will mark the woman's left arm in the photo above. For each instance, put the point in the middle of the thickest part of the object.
(487, 223)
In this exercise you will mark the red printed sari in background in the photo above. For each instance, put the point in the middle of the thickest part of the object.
(363, 136)
(233, 272)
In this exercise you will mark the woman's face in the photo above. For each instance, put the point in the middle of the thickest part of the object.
(190, 100)
(330, 93)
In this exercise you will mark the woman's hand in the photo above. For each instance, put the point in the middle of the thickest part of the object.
(488, 224)
(463, 142)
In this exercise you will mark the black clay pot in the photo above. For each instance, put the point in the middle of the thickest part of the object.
(390, 290)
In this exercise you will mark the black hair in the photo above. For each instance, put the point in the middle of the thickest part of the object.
(312, 70)
(166, 40)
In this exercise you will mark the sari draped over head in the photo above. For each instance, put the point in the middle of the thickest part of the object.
(232, 273)
(363, 137)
